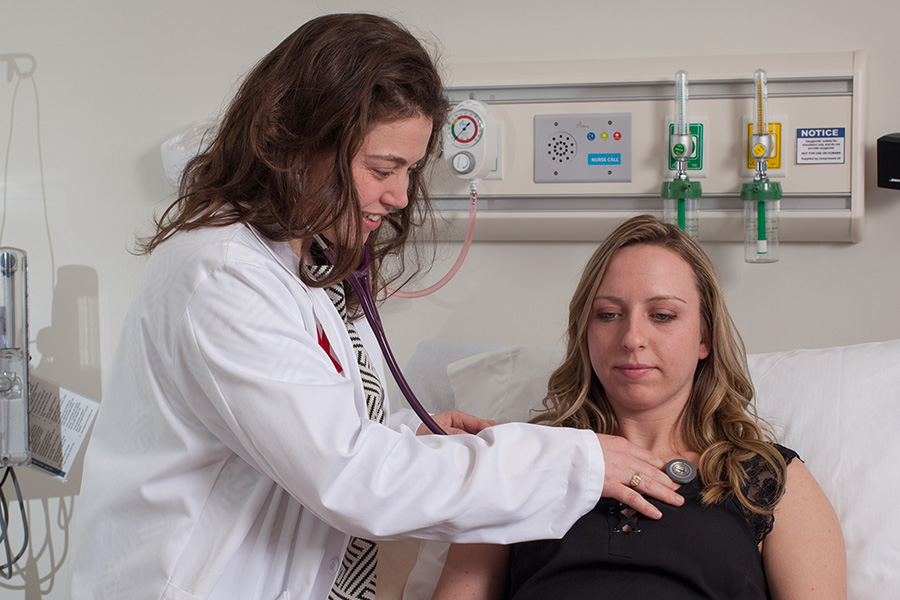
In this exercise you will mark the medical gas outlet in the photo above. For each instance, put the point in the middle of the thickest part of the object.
(768, 146)
(694, 162)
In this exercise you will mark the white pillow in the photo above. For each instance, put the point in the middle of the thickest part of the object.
(837, 407)
(505, 384)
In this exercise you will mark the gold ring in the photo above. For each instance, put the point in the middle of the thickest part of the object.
(635, 480)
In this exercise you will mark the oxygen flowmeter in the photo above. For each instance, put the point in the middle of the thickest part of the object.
(762, 198)
(469, 151)
(681, 196)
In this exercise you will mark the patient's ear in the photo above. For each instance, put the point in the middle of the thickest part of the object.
(704, 349)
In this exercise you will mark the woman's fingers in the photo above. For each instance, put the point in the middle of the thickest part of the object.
(632, 473)
(454, 422)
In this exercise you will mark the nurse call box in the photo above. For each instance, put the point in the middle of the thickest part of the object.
(582, 148)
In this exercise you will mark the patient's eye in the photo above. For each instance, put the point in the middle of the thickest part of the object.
(664, 317)
(607, 315)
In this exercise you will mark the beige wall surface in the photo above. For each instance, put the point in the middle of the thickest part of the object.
(112, 80)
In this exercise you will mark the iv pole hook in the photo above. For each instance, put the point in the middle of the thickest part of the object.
(12, 66)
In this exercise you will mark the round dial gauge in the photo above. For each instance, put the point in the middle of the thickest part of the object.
(465, 128)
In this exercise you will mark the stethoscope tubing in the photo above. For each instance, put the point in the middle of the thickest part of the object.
(359, 281)
(364, 292)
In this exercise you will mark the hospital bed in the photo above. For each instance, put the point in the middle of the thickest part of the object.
(839, 408)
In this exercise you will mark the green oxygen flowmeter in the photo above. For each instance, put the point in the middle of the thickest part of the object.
(681, 196)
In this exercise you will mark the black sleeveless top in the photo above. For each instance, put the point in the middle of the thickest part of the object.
(694, 551)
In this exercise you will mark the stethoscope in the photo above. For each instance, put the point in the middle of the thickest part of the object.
(359, 281)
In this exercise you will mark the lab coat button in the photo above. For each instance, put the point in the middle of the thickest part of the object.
(333, 565)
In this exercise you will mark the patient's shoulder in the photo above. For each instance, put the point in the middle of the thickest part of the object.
(763, 489)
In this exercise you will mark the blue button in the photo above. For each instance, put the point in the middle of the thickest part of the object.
(591, 136)
(604, 159)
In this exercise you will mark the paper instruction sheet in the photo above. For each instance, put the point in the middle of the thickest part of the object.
(59, 420)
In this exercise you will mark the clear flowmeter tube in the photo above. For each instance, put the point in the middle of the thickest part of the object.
(681, 197)
(761, 97)
(681, 144)
(681, 97)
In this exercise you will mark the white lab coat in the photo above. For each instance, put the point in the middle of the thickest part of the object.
(230, 459)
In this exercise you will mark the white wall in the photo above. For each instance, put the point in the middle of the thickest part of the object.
(115, 79)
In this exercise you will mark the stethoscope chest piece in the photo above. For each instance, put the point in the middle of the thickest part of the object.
(681, 471)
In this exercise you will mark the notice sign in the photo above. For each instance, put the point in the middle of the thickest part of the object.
(820, 146)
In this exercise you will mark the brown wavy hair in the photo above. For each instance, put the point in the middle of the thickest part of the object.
(719, 420)
(280, 159)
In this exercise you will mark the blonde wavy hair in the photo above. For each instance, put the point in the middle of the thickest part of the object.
(719, 420)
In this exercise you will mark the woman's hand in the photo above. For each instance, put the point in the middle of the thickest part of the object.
(455, 422)
(627, 462)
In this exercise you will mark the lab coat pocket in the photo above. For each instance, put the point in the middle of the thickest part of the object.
(173, 592)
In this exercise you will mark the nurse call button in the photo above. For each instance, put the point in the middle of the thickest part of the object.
(681, 470)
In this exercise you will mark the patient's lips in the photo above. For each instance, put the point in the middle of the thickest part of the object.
(634, 370)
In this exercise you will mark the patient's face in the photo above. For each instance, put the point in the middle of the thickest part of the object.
(644, 334)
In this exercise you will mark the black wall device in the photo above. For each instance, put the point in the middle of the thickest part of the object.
(889, 161)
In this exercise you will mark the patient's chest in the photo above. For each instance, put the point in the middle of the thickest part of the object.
(694, 551)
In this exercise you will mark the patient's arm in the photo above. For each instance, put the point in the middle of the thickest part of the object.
(474, 572)
(804, 554)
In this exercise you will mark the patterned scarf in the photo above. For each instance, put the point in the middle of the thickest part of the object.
(356, 578)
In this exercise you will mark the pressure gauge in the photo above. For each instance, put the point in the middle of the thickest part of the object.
(465, 127)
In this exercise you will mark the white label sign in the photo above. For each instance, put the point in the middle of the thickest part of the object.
(823, 145)
(59, 420)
